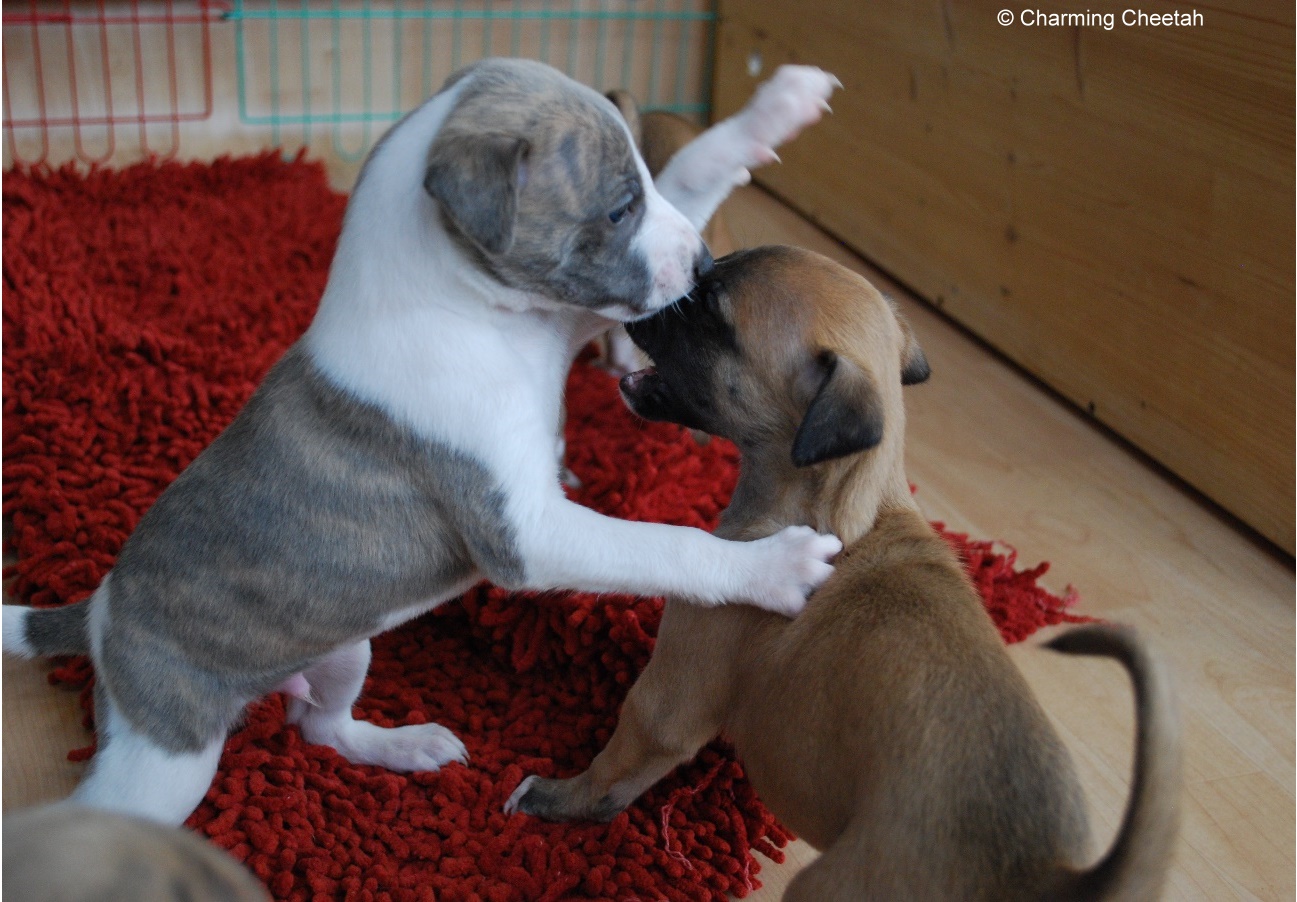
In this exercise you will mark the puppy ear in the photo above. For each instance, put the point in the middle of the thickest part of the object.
(629, 109)
(845, 416)
(476, 179)
(914, 364)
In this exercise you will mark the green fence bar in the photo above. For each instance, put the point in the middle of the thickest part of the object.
(355, 77)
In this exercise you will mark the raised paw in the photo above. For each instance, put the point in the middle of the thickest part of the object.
(795, 97)
(795, 562)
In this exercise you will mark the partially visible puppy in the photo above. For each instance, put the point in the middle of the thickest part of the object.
(886, 725)
(62, 853)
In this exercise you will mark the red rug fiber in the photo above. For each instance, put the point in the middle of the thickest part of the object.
(141, 307)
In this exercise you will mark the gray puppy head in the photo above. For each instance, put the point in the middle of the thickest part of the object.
(537, 180)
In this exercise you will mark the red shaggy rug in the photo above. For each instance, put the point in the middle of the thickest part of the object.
(141, 307)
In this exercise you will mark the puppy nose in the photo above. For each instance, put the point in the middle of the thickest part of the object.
(703, 265)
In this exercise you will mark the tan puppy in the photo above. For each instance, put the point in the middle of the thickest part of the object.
(62, 853)
(886, 724)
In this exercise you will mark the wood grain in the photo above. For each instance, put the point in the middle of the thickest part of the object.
(1110, 208)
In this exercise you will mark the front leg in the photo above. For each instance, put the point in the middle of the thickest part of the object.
(699, 178)
(671, 712)
(522, 532)
(633, 761)
(563, 545)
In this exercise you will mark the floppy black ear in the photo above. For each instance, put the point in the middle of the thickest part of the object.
(845, 416)
(476, 179)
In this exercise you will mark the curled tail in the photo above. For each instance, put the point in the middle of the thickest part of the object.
(1136, 865)
(41, 632)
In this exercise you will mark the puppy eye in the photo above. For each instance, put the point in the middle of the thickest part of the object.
(624, 206)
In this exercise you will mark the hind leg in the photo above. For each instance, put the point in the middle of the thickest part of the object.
(326, 719)
(878, 859)
(835, 875)
(131, 774)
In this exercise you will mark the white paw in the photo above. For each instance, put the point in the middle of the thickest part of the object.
(409, 749)
(795, 563)
(511, 806)
(795, 97)
(423, 747)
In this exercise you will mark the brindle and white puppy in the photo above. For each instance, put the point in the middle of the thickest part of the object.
(886, 725)
(659, 135)
(403, 449)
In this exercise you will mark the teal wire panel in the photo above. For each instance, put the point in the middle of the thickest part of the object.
(350, 69)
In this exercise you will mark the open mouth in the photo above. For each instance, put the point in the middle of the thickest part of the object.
(651, 397)
(639, 385)
(648, 395)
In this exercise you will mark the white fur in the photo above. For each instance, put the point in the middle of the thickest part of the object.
(130, 774)
(326, 719)
(670, 243)
(15, 631)
(704, 172)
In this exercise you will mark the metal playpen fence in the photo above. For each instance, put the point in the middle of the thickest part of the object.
(103, 81)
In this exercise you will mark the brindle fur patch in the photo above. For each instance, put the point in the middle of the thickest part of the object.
(307, 522)
(580, 165)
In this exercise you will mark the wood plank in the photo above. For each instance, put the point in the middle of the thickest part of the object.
(1112, 209)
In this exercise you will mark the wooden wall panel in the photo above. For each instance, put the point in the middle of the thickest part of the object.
(1113, 209)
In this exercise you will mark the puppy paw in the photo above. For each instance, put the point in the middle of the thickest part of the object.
(795, 563)
(424, 747)
(516, 803)
(409, 749)
(795, 97)
(558, 800)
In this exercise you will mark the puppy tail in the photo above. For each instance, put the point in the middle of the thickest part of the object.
(1136, 866)
(41, 632)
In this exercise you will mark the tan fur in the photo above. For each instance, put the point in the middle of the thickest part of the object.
(67, 854)
(886, 724)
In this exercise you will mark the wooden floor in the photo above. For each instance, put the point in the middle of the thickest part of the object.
(996, 456)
